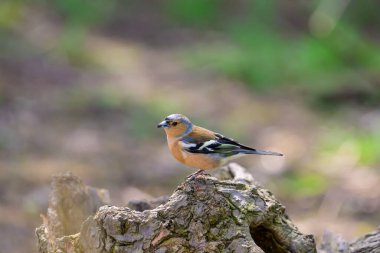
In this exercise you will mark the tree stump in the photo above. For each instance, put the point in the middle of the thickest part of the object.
(369, 243)
(226, 213)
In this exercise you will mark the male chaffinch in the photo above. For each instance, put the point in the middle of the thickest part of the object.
(201, 148)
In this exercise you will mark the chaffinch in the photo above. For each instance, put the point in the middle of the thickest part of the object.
(201, 148)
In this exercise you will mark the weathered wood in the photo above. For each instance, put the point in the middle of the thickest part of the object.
(70, 204)
(204, 214)
(369, 243)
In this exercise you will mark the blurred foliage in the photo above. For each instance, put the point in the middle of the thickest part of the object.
(261, 55)
(363, 147)
(84, 101)
(304, 184)
(334, 58)
(78, 16)
(336, 51)
(106, 103)
(193, 12)
(82, 13)
(71, 45)
(151, 111)
(10, 12)
(369, 146)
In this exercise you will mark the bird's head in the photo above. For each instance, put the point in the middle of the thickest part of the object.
(176, 125)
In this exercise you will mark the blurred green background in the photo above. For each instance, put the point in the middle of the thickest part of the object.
(84, 83)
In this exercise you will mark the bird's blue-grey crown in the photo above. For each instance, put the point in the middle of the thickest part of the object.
(177, 116)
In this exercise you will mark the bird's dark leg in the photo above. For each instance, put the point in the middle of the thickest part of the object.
(199, 172)
(194, 175)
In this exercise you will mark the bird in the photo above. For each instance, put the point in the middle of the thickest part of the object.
(200, 148)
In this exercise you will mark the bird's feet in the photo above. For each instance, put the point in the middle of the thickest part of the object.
(195, 175)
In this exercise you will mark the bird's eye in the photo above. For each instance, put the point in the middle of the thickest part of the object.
(174, 123)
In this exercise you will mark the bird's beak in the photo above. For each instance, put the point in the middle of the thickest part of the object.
(163, 124)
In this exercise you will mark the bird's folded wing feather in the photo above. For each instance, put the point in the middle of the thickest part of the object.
(218, 144)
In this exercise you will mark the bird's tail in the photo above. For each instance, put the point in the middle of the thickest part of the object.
(259, 152)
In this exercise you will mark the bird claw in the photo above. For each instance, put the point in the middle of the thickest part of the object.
(195, 175)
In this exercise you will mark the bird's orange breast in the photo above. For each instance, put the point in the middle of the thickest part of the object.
(201, 161)
(175, 149)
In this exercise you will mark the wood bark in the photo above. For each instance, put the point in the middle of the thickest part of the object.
(369, 243)
(226, 213)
